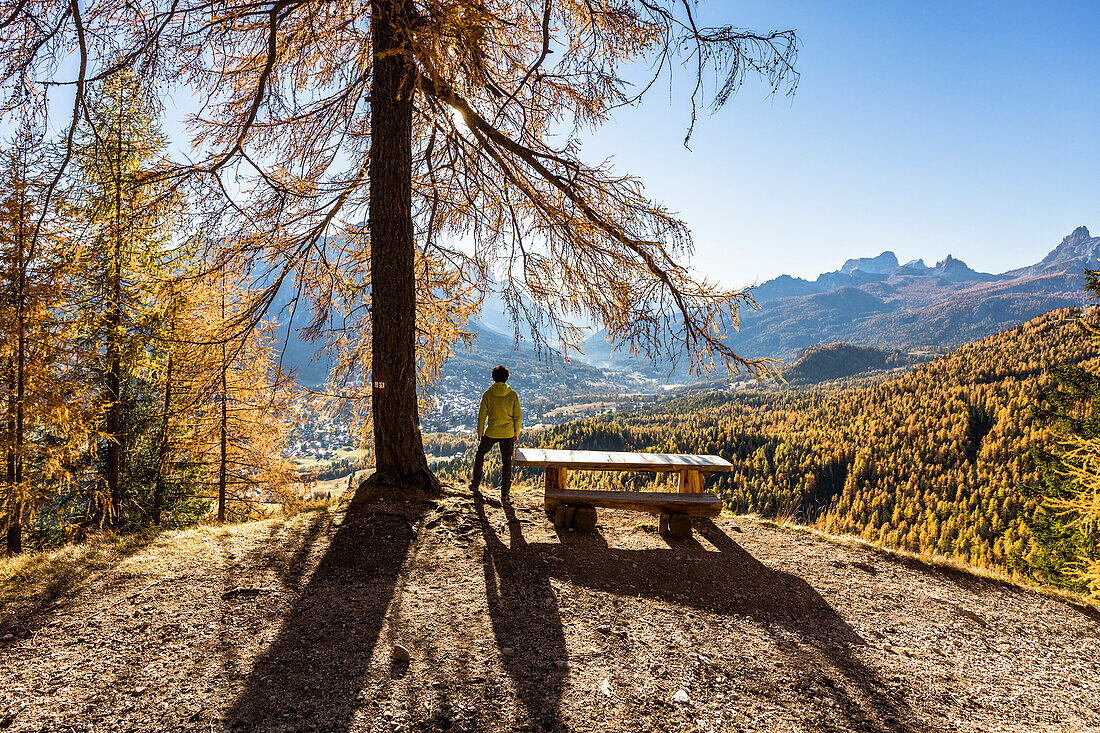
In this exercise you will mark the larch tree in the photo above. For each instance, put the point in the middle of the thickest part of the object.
(126, 221)
(453, 128)
(223, 406)
(42, 428)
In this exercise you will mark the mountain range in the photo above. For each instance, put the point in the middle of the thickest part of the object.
(878, 301)
(872, 301)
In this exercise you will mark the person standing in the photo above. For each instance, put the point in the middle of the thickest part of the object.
(498, 421)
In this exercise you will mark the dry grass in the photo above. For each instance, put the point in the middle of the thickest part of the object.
(926, 559)
(32, 570)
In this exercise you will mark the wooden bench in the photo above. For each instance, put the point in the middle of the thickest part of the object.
(577, 509)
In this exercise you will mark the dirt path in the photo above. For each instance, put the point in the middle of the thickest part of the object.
(293, 626)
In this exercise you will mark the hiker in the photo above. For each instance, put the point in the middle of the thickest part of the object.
(498, 421)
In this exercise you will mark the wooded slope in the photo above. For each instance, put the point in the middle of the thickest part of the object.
(933, 461)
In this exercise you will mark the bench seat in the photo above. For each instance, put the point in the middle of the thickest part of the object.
(602, 460)
(653, 502)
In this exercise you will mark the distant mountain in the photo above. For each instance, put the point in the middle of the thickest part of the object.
(884, 264)
(495, 343)
(1077, 252)
(874, 301)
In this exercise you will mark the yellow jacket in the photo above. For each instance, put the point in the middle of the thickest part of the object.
(499, 415)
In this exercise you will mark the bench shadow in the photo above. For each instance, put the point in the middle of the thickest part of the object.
(525, 618)
(316, 667)
(807, 631)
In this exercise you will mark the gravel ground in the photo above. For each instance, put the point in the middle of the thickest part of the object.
(508, 625)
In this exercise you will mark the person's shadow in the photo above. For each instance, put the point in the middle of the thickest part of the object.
(526, 623)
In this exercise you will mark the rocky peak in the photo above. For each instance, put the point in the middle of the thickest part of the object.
(881, 265)
(1078, 246)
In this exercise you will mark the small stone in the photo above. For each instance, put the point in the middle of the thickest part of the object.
(508, 651)
(603, 629)
(7, 637)
(681, 696)
(1075, 681)
(736, 528)
(562, 663)
(605, 687)
(401, 653)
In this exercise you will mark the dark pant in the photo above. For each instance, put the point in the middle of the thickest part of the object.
(507, 445)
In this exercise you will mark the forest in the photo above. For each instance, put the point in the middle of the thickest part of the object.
(130, 394)
(938, 460)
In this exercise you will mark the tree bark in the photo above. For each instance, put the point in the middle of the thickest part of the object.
(401, 468)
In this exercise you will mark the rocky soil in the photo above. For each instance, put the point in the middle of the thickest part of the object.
(463, 616)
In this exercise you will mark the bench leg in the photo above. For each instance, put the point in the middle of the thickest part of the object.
(679, 526)
(556, 478)
(675, 525)
(559, 517)
(585, 519)
(691, 481)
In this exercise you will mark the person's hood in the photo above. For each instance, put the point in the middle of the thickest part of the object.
(499, 389)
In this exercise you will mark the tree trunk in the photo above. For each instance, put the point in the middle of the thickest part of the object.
(223, 458)
(114, 400)
(14, 518)
(15, 528)
(401, 468)
(162, 444)
(114, 353)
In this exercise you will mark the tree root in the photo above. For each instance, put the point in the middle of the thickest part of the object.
(411, 487)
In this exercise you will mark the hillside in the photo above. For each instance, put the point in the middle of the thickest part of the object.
(878, 302)
(288, 626)
(936, 460)
(834, 361)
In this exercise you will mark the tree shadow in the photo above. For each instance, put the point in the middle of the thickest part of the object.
(316, 667)
(526, 621)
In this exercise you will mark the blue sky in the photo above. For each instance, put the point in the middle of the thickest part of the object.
(969, 128)
(927, 128)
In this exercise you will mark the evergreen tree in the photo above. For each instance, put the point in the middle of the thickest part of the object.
(127, 221)
(1064, 527)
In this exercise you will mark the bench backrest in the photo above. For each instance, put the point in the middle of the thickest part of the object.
(598, 460)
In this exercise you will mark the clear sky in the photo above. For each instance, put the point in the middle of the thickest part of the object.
(968, 127)
(926, 128)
